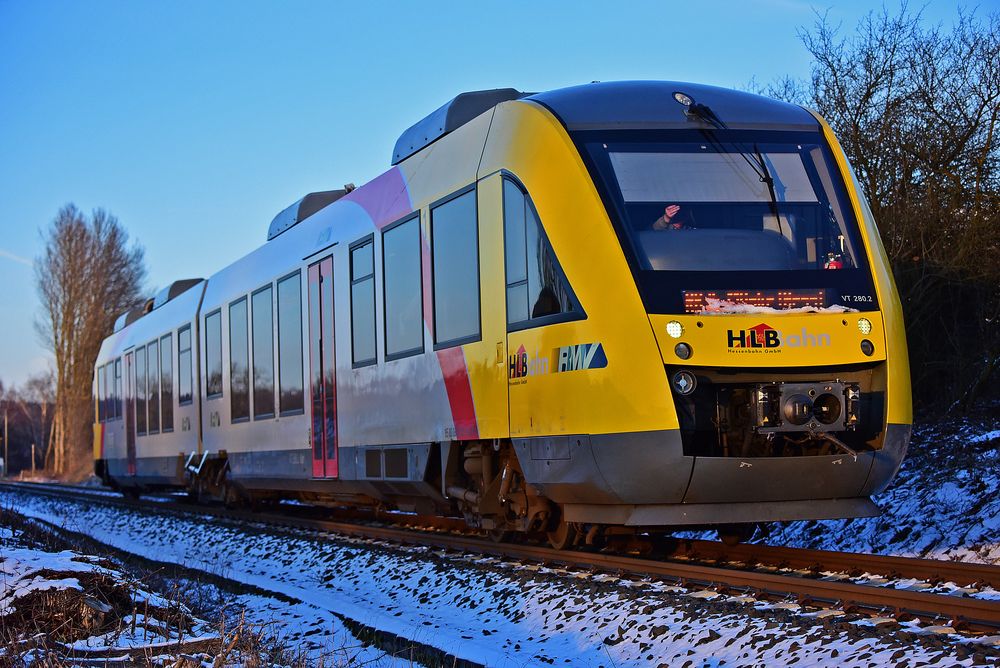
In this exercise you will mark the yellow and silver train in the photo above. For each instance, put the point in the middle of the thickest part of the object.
(610, 307)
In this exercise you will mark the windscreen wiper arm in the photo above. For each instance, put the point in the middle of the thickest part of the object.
(765, 176)
(704, 113)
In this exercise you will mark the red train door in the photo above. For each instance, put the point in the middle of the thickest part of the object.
(129, 372)
(322, 369)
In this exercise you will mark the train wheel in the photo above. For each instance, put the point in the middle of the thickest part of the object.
(563, 536)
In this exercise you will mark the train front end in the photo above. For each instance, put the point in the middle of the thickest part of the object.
(770, 299)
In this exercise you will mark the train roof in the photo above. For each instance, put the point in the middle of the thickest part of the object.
(451, 115)
(654, 104)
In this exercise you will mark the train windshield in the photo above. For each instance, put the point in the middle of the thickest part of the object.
(726, 212)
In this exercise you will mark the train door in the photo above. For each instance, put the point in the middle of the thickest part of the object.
(129, 371)
(322, 369)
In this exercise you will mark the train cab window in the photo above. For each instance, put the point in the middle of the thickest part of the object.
(403, 293)
(153, 388)
(118, 388)
(167, 383)
(184, 375)
(213, 355)
(537, 290)
(363, 302)
(140, 391)
(263, 353)
(290, 393)
(455, 268)
(239, 362)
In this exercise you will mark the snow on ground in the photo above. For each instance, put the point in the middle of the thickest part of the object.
(501, 613)
(944, 504)
(73, 604)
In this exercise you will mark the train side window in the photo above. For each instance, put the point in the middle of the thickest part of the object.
(140, 391)
(263, 353)
(402, 289)
(109, 387)
(118, 388)
(455, 269)
(99, 385)
(537, 290)
(239, 362)
(167, 382)
(153, 388)
(184, 376)
(363, 302)
(213, 355)
(290, 393)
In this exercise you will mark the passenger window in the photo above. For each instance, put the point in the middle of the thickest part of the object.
(263, 354)
(290, 395)
(536, 286)
(239, 362)
(363, 302)
(99, 383)
(167, 382)
(455, 265)
(213, 355)
(184, 369)
(108, 389)
(118, 388)
(153, 389)
(140, 391)
(401, 281)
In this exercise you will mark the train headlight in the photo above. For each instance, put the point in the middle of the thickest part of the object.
(675, 329)
(684, 382)
(683, 99)
(683, 350)
(865, 326)
(867, 347)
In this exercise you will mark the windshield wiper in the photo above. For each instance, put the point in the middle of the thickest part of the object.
(758, 165)
(765, 176)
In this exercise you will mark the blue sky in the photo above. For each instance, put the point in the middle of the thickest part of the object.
(196, 122)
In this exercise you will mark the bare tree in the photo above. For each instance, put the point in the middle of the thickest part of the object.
(916, 110)
(36, 400)
(86, 277)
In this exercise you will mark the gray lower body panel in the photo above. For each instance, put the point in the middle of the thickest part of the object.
(687, 514)
(644, 479)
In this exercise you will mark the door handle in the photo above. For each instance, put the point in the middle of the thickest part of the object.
(500, 353)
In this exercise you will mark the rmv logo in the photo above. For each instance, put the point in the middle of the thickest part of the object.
(582, 356)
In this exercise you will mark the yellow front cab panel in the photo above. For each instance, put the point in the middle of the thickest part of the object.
(622, 391)
(770, 340)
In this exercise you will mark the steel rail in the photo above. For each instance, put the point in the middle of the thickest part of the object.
(963, 574)
(962, 612)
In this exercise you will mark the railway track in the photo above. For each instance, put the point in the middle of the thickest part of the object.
(701, 564)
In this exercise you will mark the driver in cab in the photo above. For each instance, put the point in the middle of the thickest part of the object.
(673, 219)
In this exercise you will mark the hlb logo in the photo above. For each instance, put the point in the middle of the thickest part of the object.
(761, 336)
(765, 339)
(519, 365)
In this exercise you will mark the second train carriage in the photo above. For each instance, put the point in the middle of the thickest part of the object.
(638, 304)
